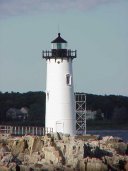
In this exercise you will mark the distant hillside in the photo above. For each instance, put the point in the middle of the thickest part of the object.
(114, 107)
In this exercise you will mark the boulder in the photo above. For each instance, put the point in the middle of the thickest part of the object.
(18, 147)
(62, 152)
(126, 166)
(120, 147)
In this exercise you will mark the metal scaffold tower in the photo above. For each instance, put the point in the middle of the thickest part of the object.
(80, 113)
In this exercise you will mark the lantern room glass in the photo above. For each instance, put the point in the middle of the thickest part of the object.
(59, 45)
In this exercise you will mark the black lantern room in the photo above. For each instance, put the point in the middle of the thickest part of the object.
(59, 50)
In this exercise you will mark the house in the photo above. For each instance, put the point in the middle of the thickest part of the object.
(90, 114)
(14, 113)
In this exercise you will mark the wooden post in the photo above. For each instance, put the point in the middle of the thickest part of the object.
(26, 131)
(32, 130)
(36, 131)
(15, 130)
(40, 131)
(43, 131)
(6, 129)
(46, 130)
(29, 130)
(22, 132)
(18, 130)
(11, 130)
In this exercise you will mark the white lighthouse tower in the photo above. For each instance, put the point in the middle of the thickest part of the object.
(60, 101)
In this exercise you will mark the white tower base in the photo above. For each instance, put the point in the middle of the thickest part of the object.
(60, 102)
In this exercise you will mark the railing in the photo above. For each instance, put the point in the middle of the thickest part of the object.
(59, 53)
(24, 130)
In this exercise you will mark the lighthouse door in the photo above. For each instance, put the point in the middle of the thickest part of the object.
(59, 126)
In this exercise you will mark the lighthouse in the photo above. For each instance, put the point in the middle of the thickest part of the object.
(60, 102)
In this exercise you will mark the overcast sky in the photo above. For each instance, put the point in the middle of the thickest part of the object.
(97, 29)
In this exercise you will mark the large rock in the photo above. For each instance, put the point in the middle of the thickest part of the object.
(62, 152)
(120, 147)
(18, 147)
(126, 166)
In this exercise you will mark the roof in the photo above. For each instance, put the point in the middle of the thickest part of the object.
(59, 39)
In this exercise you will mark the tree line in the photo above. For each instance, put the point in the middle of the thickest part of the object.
(34, 101)
(112, 106)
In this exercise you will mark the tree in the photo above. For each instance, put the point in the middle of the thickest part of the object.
(99, 115)
(36, 113)
(120, 113)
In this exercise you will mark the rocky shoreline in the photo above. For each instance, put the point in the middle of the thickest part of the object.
(58, 152)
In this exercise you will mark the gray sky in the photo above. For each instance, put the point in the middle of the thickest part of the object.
(98, 29)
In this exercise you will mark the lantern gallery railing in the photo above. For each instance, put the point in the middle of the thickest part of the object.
(57, 53)
(24, 130)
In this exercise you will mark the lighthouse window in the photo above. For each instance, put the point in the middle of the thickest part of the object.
(47, 95)
(68, 79)
(58, 45)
